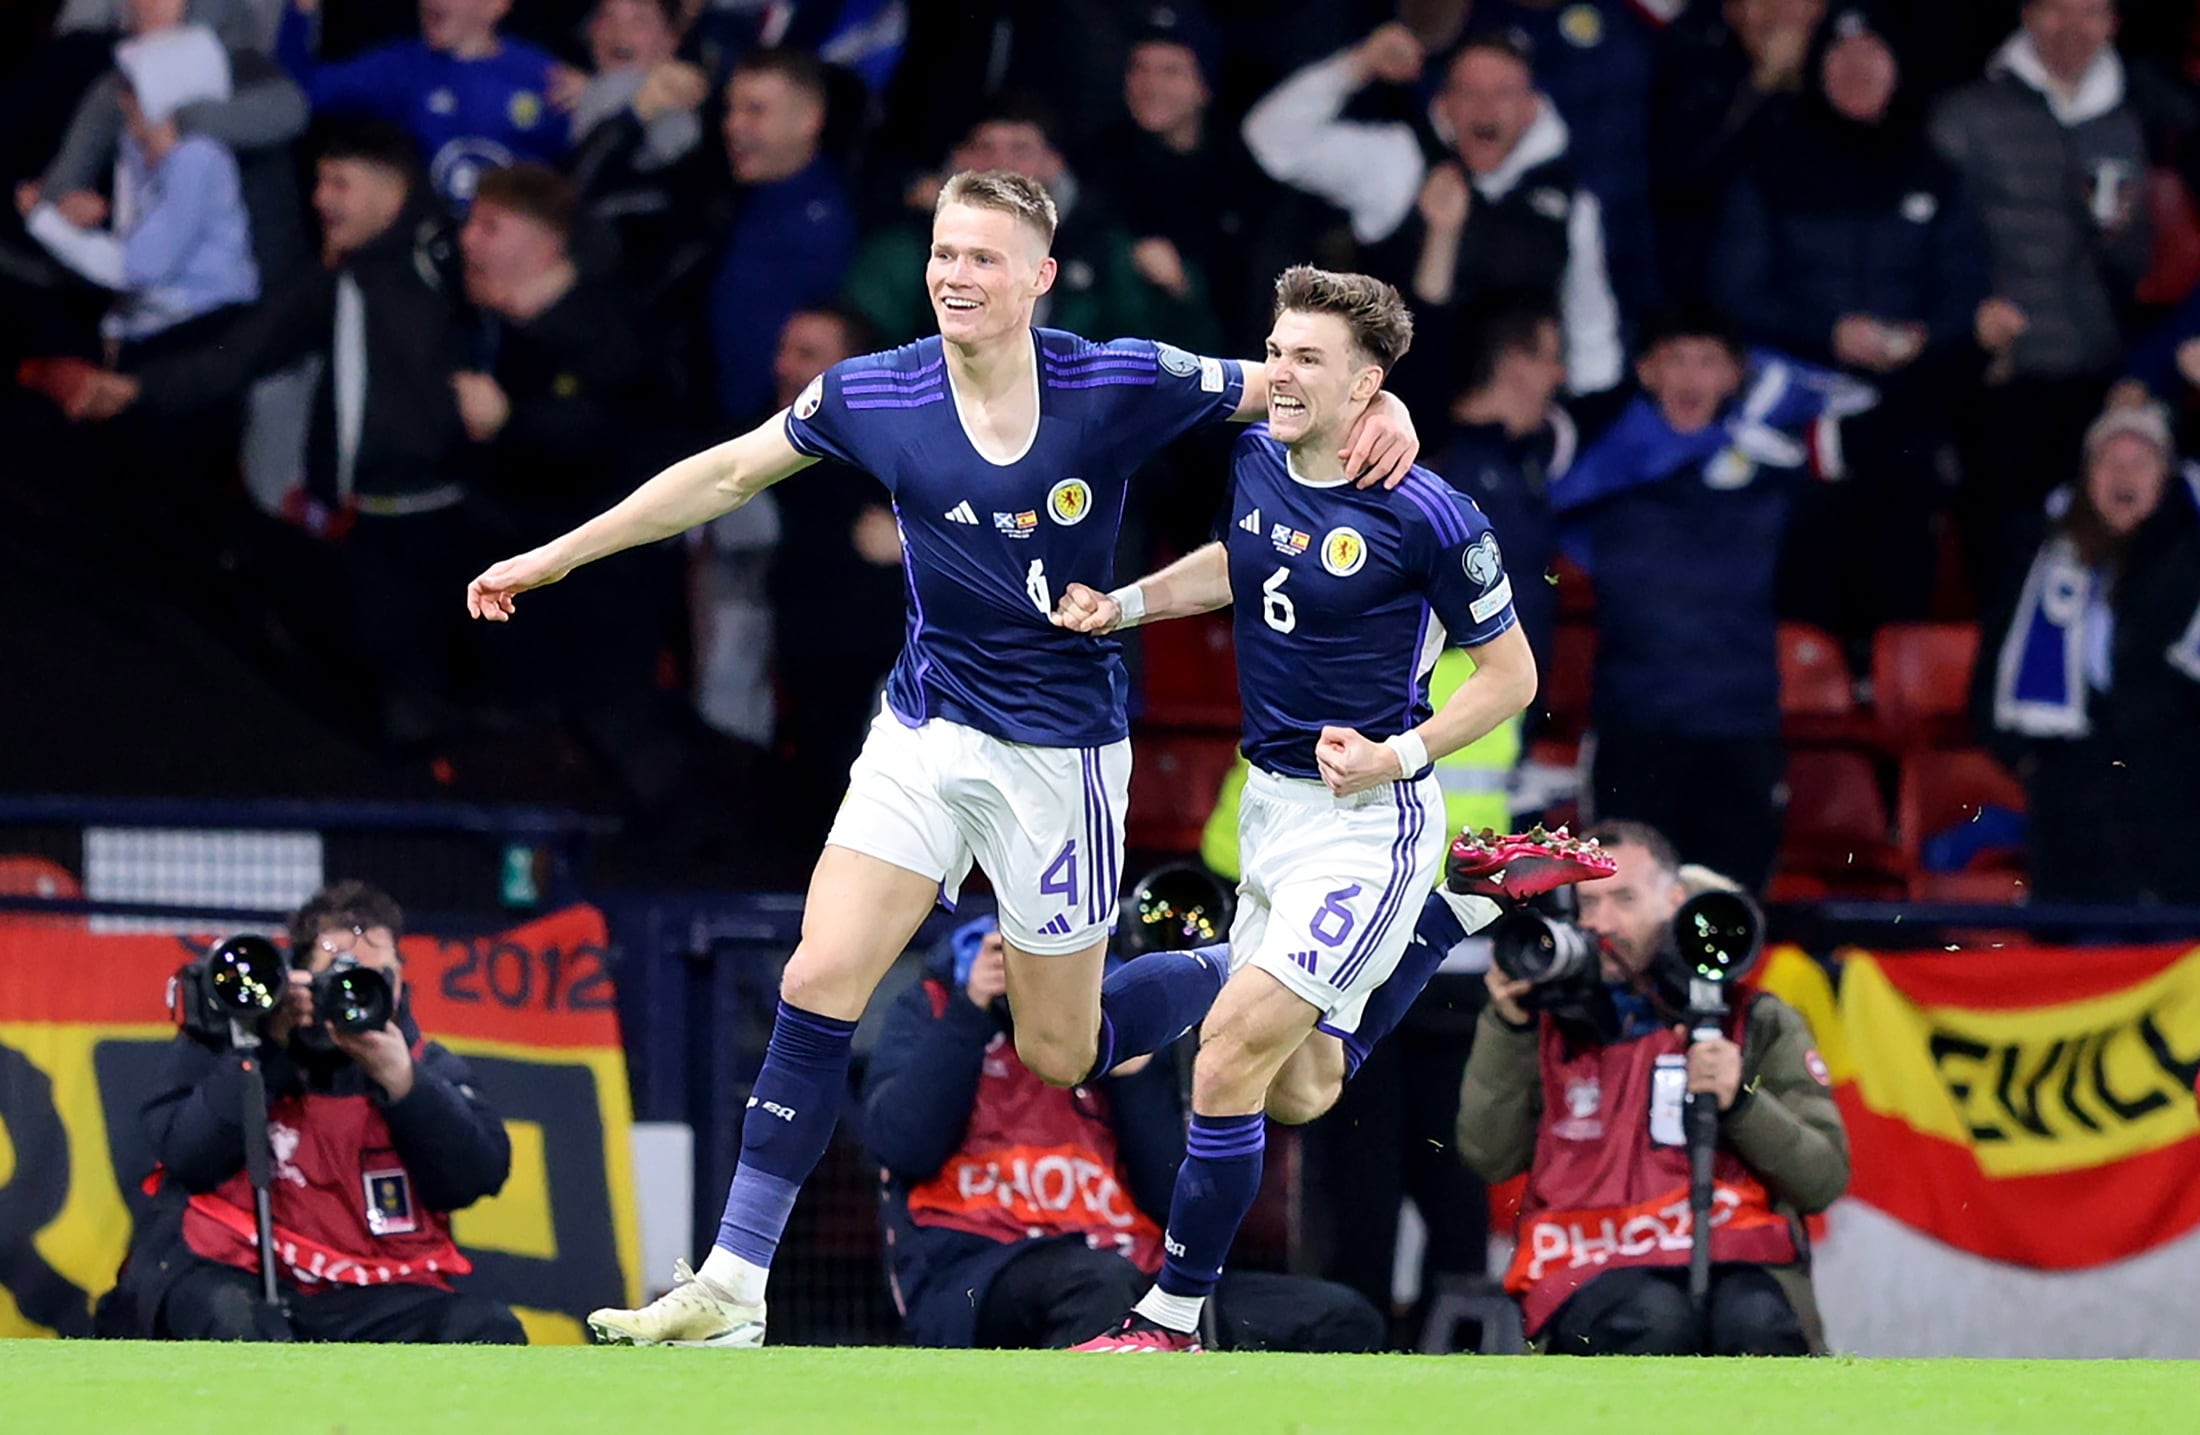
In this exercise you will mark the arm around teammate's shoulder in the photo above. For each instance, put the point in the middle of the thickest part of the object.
(695, 490)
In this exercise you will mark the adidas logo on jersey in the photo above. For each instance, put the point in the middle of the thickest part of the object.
(1059, 927)
(963, 513)
(1250, 522)
(1305, 960)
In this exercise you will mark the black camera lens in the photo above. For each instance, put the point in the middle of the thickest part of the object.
(1174, 908)
(348, 997)
(1534, 949)
(1719, 934)
(245, 977)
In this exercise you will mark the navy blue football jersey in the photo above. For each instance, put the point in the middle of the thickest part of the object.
(987, 548)
(1345, 597)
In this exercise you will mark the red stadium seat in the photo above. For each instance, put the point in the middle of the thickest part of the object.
(1921, 683)
(22, 875)
(1938, 791)
(1837, 825)
(1817, 691)
(1175, 778)
(1563, 692)
(1191, 674)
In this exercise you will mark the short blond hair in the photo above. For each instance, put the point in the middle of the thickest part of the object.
(1374, 312)
(1004, 190)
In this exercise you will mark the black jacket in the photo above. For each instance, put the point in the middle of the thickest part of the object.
(578, 377)
(452, 1142)
(1841, 219)
(411, 439)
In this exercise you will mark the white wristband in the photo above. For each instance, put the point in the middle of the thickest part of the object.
(1412, 752)
(1132, 600)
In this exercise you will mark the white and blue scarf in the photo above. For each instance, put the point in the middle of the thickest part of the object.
(2060, 638)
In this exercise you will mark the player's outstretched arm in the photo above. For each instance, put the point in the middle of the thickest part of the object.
(694, 490)
(1381, 447)
(1500, 687)
(1199, 582)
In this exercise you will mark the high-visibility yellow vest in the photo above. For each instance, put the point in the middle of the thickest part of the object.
(1474, 779)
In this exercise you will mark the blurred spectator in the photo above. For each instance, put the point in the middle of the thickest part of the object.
(791, 233)
(2088, 683)
(2053, 155)
(637, 128)
(1499, 210)
(1184, 187)
(1678, 514)
(383, 458)
(1509, 440)
(1851, 243)
(1018, 1214)
(554, 403)
(471, 98)
(181, 246)
(837, 609)
(1104, 285)
(257, 120)
(1726, 77)
(1595, 60)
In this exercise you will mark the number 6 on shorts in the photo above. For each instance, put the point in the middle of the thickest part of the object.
(1334, 922)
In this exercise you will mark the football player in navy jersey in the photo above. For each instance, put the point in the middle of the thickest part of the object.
(1003, 739)
(1344, 599)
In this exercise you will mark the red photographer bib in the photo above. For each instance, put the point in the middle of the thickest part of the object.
(1609, 1183)
(1036, 1160)
(346, 1210)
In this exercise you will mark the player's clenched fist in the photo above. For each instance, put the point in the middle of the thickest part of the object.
(490, 596)
(1086, 610)
(1350, 763)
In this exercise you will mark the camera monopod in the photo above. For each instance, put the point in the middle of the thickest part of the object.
(1718, 934)
(259, 1155)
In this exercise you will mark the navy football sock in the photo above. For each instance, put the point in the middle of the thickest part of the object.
(792, 1111)
(1150, 1001)
(1215, 1187)
(1446, 920)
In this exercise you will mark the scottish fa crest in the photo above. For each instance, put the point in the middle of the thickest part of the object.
(1344, 551)
(1069, 501)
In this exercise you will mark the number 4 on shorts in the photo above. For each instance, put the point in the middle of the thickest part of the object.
(1060, 878)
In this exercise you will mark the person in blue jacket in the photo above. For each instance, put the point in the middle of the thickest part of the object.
(1678, 513)
(472, 98)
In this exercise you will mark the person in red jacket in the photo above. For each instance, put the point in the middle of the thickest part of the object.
(377, 1136)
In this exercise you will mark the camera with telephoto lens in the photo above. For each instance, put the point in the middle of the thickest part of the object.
(241, 980)
(1715, 938)
(350, 996)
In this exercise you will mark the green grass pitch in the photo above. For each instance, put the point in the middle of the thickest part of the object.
(49, 1386)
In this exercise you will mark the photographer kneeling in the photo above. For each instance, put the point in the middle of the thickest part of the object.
(1581, 1078)
(375, 1136)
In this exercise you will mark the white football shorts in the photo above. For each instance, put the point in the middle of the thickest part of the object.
(1045, 824)
(1333, 886)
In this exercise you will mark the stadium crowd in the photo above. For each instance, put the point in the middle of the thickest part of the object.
(315, 306)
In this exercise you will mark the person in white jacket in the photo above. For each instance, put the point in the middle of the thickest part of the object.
(1478, 199)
